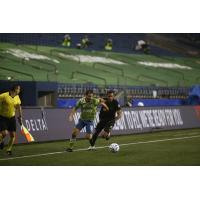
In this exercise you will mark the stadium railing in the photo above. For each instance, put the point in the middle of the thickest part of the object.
(88, 76)
(78, 90)
(18, 72)
(155, 80)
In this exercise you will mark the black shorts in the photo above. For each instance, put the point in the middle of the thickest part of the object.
(8, 124)
(105, 125)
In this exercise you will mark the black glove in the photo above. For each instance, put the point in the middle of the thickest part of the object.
(19, 120)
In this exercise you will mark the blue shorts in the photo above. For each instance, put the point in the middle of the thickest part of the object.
(85, 123)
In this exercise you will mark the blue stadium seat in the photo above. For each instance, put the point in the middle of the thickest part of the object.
(121, 42)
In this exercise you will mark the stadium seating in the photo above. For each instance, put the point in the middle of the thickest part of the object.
(74, 77)
(69, 71)
(121, 42)
(68, 93)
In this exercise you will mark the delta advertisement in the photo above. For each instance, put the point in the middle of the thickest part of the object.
(53, 124)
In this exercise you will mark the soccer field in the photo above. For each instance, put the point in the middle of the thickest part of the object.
(168, 148)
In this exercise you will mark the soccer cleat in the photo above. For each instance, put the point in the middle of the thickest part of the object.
(69, 150)
(9, 153)
(91, 148)
(2, 145)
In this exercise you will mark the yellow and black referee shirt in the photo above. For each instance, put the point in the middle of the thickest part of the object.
(8, 104)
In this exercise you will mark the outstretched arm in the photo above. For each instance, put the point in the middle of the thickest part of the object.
(72, 114)
(102, 102)
(119, 115)
(75, 108)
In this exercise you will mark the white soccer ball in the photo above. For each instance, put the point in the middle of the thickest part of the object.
(140, 104)
(114, 147)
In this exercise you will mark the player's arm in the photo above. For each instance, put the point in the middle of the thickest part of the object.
(1, 99)
(72, 114)
(119, 114)
(74, 110)
(102, 103)
(19, 113)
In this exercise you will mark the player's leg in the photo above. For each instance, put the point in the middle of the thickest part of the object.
(3, 128)
(75, 132)
(12, 132)
(98, 129)
(11, 142)
(107, 129)
(72, 142)
(2, 136)
(88, 134)
(105, 134)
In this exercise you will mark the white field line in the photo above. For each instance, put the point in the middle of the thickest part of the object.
(102, 147)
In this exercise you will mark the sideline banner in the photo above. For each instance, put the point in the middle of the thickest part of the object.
(52, 124)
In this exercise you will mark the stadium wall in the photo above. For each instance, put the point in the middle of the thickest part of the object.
(52, 124)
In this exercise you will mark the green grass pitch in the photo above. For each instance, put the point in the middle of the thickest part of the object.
(165, 148)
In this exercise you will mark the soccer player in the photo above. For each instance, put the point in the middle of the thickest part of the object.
(88, 106)
(107, 119)
(9, 104)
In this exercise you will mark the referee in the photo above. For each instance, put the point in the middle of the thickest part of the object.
(9, 104)
(107, 118)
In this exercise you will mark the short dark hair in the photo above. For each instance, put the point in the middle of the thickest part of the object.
(111, 92)
(89, 92)
(14, 87)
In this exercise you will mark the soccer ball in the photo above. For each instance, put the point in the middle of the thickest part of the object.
(140, 104)
(114, 147)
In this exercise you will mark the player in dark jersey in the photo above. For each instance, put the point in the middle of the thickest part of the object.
(107, 118)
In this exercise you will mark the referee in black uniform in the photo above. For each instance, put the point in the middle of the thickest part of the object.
(107, 118)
